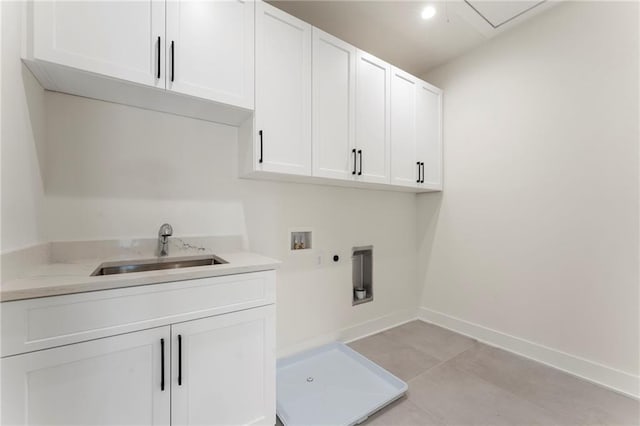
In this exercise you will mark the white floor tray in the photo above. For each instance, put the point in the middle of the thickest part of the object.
(332, 385)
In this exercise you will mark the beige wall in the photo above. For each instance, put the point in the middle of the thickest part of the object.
(536, 233)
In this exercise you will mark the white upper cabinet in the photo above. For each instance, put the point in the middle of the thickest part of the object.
(200, 54)
(308, 105)
(373, 78)
(282, 138)
(123, 40)
(210, 46)
(429, 135)
(333, 120)
(405, 167)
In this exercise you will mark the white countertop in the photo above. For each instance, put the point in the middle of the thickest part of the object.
(75, 277)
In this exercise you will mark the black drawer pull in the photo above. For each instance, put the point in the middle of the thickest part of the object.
(173, 57)
(162, 363)
(158, 74)
(179, 360)
(355, 159)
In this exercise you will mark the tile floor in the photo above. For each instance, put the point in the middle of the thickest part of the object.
(454, 380)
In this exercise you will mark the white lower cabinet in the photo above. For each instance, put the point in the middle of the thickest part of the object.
(111, 381)
(223, 369)
(192, 368)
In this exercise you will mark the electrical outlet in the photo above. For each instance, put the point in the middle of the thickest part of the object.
(335, 257)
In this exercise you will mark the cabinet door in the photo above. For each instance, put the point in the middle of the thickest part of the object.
(404, 167)
(224, 369)
(111, 381)
(283, 92)
(210, 48)
(372, 117)
(429, 134)
(123, 40)
(333, 106)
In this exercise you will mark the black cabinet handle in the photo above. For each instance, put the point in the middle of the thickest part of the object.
(158, 75)
(261, 151)
(355, 158)
(173, 56)
(418, 163)
(162, 363)
(422, 166)
(360, 154)
(179, 360)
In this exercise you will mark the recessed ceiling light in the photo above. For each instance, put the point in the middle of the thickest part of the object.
(428, 12)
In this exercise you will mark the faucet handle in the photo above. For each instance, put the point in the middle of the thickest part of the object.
(165, 230)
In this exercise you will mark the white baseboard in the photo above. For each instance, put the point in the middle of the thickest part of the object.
(603, 375)
(377, 325)
(354, 332)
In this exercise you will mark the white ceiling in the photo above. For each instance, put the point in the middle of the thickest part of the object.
(395, 32)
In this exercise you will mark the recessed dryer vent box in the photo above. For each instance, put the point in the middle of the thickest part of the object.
(362, 274)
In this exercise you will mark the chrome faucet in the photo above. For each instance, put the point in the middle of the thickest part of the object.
(163, 239)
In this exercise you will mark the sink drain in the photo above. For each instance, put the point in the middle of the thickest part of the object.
(309, 379)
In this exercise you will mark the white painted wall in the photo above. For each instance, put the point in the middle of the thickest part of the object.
(22, 148)
(536, 233)
(116, 171)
